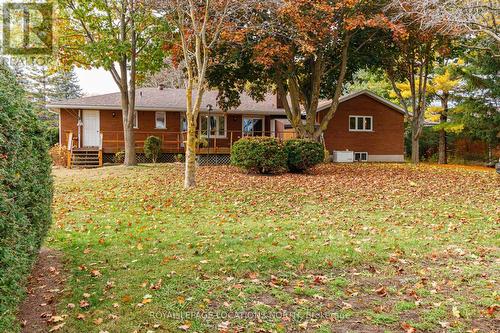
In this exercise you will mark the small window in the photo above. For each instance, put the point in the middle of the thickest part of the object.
(215, 126)
(184, 124)
(361, 123)
(136, 119)
(361, 157)
(253, 126)
(160, 120)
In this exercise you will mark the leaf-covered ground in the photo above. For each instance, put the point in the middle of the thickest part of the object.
(346, 248)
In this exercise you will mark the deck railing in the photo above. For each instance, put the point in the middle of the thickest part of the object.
(175, 141)
(70, 149)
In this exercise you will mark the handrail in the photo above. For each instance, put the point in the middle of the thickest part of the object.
(175, 140)
(70, 150)
(101, 141)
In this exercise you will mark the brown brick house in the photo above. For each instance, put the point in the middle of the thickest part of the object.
(364, 123)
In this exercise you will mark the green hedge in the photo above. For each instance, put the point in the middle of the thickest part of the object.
(25, 194)
(152, 148)
(259, 154)
(303, 154)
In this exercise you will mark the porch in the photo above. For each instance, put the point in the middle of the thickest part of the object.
(172, 143)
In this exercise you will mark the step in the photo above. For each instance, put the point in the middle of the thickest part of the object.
(85, 154)
(85, 166)
(85, 161)
(85, 157)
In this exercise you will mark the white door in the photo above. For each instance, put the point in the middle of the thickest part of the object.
(91, 128)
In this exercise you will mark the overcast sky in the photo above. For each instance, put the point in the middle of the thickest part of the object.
(96, 81)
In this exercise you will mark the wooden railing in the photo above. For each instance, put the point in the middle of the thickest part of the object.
(175, 141)
(70, 149)
(101, 141)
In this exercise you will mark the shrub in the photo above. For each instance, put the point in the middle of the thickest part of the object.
(180, 158)
(52, 134)
(259, 154)
(120, 157)
(152, 148)
(59, 155)
(25, 194)
(202, 142)
(303, 154)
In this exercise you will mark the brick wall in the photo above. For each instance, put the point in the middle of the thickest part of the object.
(387, 137)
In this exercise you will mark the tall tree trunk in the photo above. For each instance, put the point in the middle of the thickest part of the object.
(190, 167)
(190, 170)
(415, 142)
(443, 144)
(129, 138)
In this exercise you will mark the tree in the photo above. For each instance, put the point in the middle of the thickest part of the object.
(65, 85)
(306, 49)
(472, 17)
(199, 26)
(121, 36)
(374, 80)
(443, 87)
(408, 58)
(479, 103)
(40, 90)
(25, 193)
(171, 76)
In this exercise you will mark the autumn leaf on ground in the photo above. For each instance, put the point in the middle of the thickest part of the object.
(84, 304)
(57, 327)
(408, 328)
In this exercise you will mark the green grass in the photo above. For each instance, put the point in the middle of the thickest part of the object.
(301, 251)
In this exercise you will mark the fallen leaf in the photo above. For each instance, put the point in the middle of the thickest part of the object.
(408, 328)
(57, 327)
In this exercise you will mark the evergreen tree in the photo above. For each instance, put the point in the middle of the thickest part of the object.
(44, 86)
(65, 86)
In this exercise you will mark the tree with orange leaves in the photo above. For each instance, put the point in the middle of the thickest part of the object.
(304, 49)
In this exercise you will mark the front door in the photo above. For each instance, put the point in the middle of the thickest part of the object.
(91, 128)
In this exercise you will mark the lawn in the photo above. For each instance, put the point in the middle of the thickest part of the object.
(346, 248)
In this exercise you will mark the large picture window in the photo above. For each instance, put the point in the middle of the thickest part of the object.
(213, 125)
(360, 123)
(160, 120)
(253, 126)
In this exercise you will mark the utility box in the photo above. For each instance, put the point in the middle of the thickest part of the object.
(343, 156)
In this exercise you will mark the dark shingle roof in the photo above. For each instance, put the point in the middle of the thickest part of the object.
(154, 99)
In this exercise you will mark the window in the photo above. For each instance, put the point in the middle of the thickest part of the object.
(160, 120)
(253, 126)
(136, 119)
(361, 157)
(215, 126)
(184, 124)
(360, 123)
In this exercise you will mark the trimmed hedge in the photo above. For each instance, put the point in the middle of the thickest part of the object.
(259, 154)
(152, 148)
(25, 194)
(303, 154)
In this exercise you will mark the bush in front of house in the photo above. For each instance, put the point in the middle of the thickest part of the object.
(259, 154)
(152, 148)
(303, 154)
(59, 155)
(25, 194)
(119, 157)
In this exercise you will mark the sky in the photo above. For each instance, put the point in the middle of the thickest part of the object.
(96, 81)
